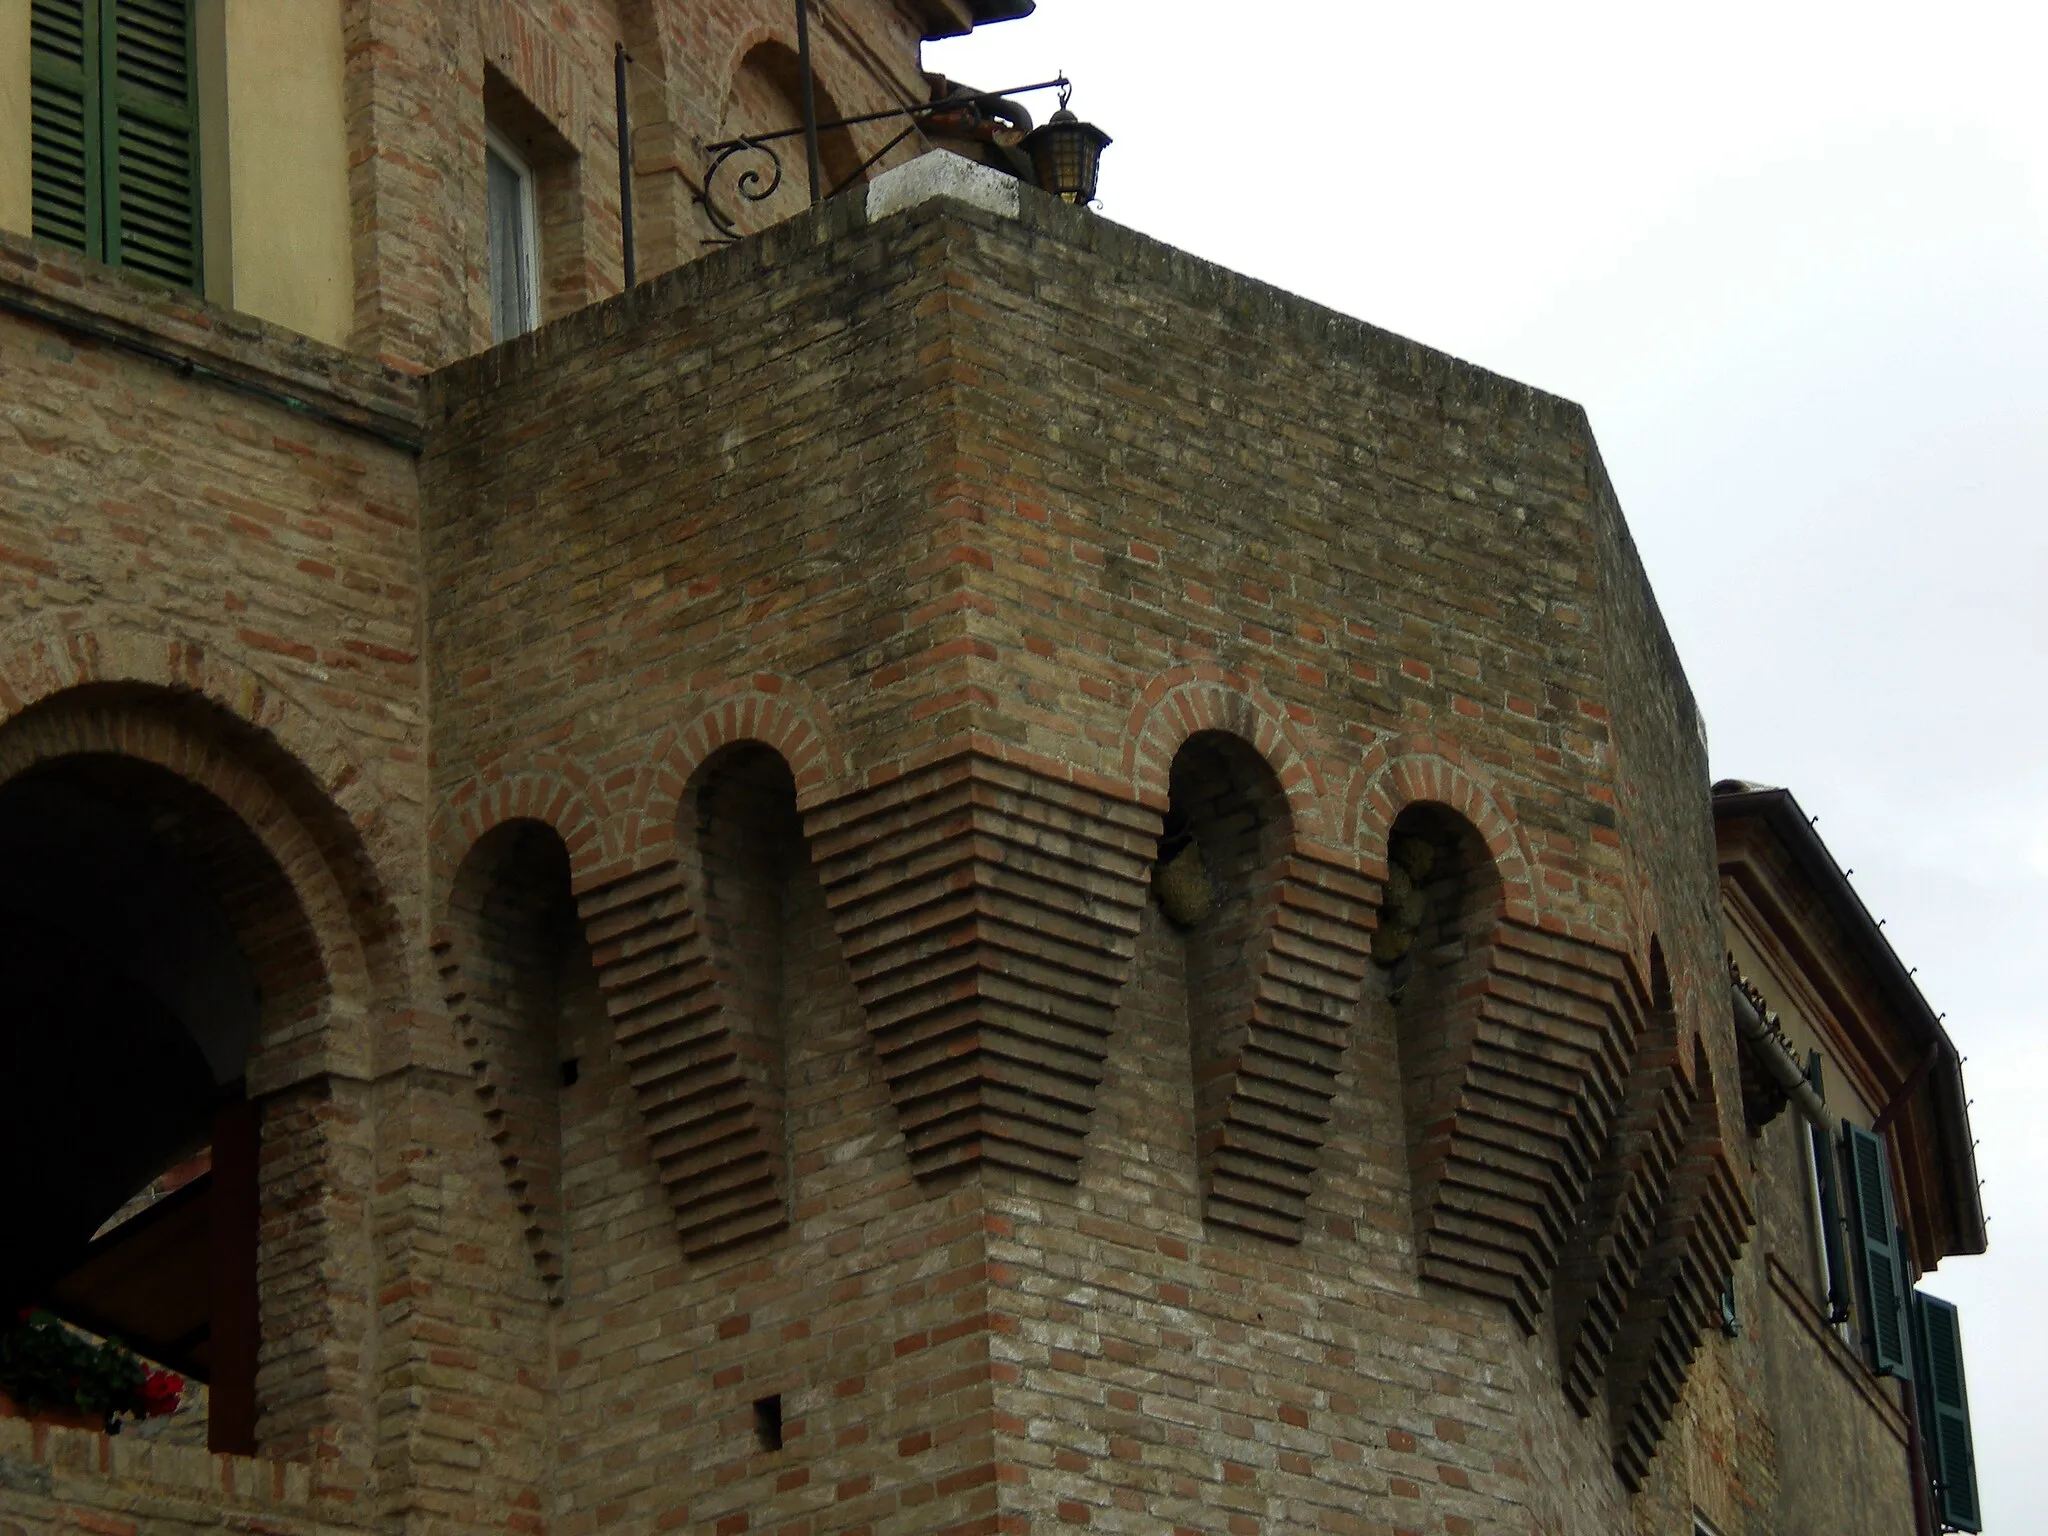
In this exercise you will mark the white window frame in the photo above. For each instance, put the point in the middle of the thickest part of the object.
(1815, 1211)
(528, 215)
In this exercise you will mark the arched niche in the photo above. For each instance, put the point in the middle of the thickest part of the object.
(1615, 1230)
(1702, 1224)
(181, 912)
(1227, 829)
(759, 912)
(523, 994)
(1434, 947)
(1271, 953)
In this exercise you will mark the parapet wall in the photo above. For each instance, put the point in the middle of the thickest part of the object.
(66, 1480)
(977, 517)
(749, 1077)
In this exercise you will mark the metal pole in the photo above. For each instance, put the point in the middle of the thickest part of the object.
(625, 162)
(810, 102)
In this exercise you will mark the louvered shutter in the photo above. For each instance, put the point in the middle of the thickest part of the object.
(116, 133)
(1880, 1288)
(149, 125)
(1830, 1205)
(65, 175)
(1945, 1412)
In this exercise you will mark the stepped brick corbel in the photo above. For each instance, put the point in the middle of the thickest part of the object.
(1701, 1231)
(1544, 1056)
(697, 1086)
(1277, 971)
(696, 1057)
(989, 915)
(1266, 1123)
(475, 1010)
(1619, 1225)
(512, 971)
(699, 1037)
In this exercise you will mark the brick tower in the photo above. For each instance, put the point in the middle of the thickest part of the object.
(942, 872)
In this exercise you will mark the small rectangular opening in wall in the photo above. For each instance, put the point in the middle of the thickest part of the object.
(570, 1072)
(768, 1422)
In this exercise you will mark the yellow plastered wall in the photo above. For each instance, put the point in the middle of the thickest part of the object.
(15, 209)
(288, 165)
(273, 151)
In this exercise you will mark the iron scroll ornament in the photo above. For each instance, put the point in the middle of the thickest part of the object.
(755, 182)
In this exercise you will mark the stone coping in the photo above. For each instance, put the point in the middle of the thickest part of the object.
(940, 185)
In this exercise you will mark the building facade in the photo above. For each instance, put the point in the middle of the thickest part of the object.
(940, 871)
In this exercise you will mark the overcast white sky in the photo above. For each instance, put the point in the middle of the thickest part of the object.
(1793, 258)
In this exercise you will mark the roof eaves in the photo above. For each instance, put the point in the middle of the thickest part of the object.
(1781, 812)
(952, 18)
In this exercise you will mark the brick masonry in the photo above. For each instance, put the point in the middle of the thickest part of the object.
(1023, 505)
(898, 1098)
(423, 78)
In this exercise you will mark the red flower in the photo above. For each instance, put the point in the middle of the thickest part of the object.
(161, 1393)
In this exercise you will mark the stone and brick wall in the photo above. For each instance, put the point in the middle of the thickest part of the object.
(209, 568)
(1013, 1200)
(976, 520)
(703, 767)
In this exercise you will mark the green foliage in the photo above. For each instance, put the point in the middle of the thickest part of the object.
(46, 1366)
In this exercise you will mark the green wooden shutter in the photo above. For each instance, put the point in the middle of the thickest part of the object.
(1945, 1413)
(149, 122)
(1881, 1291)
(1834, 1259)
(116, 133)
(64, 117)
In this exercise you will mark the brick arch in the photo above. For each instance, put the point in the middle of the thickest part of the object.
(1702, 1224)
(134, 725)
(1273, 978)
(765, 59)
(503, 990)
(763, 709)
(674, 1009)
(41, 665)
(1179, 703)
(331, 971)
(483, 1009)
(826, 60)
(1411, 770)
(744, 42)
(550, 789)
(1531, 1046)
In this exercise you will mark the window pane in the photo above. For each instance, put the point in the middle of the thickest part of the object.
(512, 312)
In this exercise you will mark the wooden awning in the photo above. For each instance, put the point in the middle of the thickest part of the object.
(149, 1282)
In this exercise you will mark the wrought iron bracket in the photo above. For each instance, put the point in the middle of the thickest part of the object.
(758, 180)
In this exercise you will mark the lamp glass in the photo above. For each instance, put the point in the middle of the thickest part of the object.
(1066, 154)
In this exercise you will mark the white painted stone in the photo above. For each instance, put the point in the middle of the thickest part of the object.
(941, 173)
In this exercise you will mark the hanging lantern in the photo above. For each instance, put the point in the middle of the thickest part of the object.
(1066, 155)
